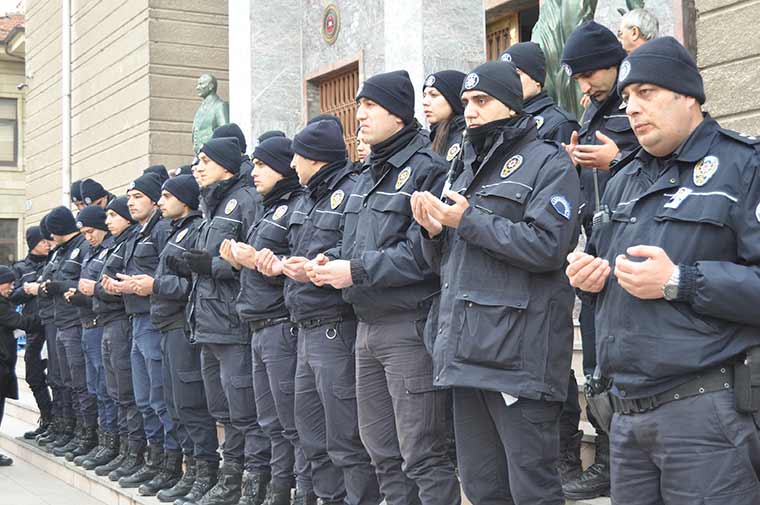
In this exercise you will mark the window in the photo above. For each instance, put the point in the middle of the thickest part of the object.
(8, 132)
(337, 94)
(8, 241)
(505, 26)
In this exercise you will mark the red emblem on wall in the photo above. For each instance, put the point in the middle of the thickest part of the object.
(330, 24)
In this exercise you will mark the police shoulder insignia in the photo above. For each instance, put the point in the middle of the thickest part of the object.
(281, 210)
(471, 80)
(181, 235)
(511, 165)
(230, 206)
(625, 70)
(74, 254)
(705, 169)
(561, 205)
(539, 121)
(403, 177)
(336, 198)
(453, 151)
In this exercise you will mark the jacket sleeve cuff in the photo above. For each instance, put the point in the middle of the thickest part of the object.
(358, 273)
(687, 283)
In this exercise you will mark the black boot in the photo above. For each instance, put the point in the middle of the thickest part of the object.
(104, 470)
(106, 454)
(280, 495)
(87, 442)
(169, 475)
(61, 450)
(134, 460)
(255, 485)
(154, 460)
(595, 480)
(42, 426)
(78, 460)
(183, 485)
(64, 436)
(5, 460)
(228, 487)
(304, 497)
(569, 465)
(55, 427)
(205, 479)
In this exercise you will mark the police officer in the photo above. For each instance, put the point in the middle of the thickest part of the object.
(325, 379)
(26, 271)
(383, 275)
(117, 347)
(73, 247)
(592, 56)
(226, 345)
(675, 273)
(141, 258)
(261, 307)
(443, 111)
(159, 170)
(500, 247)
(233, 130)
(93, 193)
(76, 195)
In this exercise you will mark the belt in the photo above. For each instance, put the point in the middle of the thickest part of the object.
(316, 323)
(717, 379)
(266, 323)
(90, 323)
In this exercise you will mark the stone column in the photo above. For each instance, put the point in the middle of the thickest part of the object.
(241, 59)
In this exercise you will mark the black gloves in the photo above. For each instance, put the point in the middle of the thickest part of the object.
(198, 261)
(54, 288)
(178, 266)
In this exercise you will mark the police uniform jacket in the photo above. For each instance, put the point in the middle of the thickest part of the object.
(9, 321)
(110, 307)
(229, 211)
(702, 206)
(45, 303)
(391, 279)
(315, 228)
(141, 257)
(92, 265)
(27, 270)
(552, 122)
(170, 289)
(65, 276)
(505, 318)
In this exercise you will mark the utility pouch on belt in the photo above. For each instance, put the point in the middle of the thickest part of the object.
(597, 391)
(747, 382)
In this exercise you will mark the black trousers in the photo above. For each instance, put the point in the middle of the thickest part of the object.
(34, 369)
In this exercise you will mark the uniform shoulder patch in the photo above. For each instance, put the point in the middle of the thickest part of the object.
(403, 177)
(74, 254)
(453, 151)
(744, 138)
(230, 206)
(705, 169)
(511, 165)
(561, 205)
(281, 210)
(337, 198)
(181, 235)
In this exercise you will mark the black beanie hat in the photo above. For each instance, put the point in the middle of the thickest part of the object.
(60, 221)
(224, 151)
(231, 130)
(44, 230)
(393, 91)
(449, 83)
(591, 47)
(184, 188)
(75, 191)
(663, 61)
(183, 170)
(277, 153)
(6, 275)
(320, 141)
(327, 117)
(269, 134)
(159, 170)
(91, 190)
(119, 205)
(528, 57)
(33, 237)
(92, 216)
(149, 185)
(498, 79)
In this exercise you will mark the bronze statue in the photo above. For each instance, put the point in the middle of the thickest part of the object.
(212, 113)
(556, 21)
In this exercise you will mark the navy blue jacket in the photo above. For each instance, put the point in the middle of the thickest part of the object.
(141, 257)
(110, 307)
(552, 122)
(65, 276)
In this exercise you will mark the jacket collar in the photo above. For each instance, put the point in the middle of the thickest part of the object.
(538, 103)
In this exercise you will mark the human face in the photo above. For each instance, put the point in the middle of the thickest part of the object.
(204, 86)
(93, 235)
(661, 119)
(6, 288)
(42, 248)
(530, 87)
(140, 206)
(362, 148)
(305, 168)
(264, 177)
(597, 84)
(115, 223)
(171, 206)
(101, 202)
(377, 124)
(435, 106)
(481, 108)
(629, 37)
(208, 171)
(80, 205)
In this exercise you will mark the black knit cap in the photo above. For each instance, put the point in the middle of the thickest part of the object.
(449, 83)
(92, 216)
(320, 141)
(231, 130)
(185, 189)
(33, 237)
(528, 57)
(269, 134)
(159, 170)
(6, 275)
(60, 221)
(225, 151)
(591, 47)
(91, 190)
(276, 152)
(149, 185)
(663, 61)
(498, 79)
(75, 192)
(183, 170)
(119, 205)
(44, 230)
(328, 117)
(393, 91)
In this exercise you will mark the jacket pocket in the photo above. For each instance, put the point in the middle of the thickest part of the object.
(493, 329)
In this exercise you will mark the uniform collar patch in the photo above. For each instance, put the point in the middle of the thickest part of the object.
(757, 212)
(74, 254)
(453, 151)
(181, 235)
(561, 205)
(336, 199)
(102, 254)
(539, 121)
(403, 177)
(281, 210)
(511, 165)
(705, 169)
(230, 206)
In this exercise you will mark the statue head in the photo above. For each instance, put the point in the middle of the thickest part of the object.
(206, 85)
